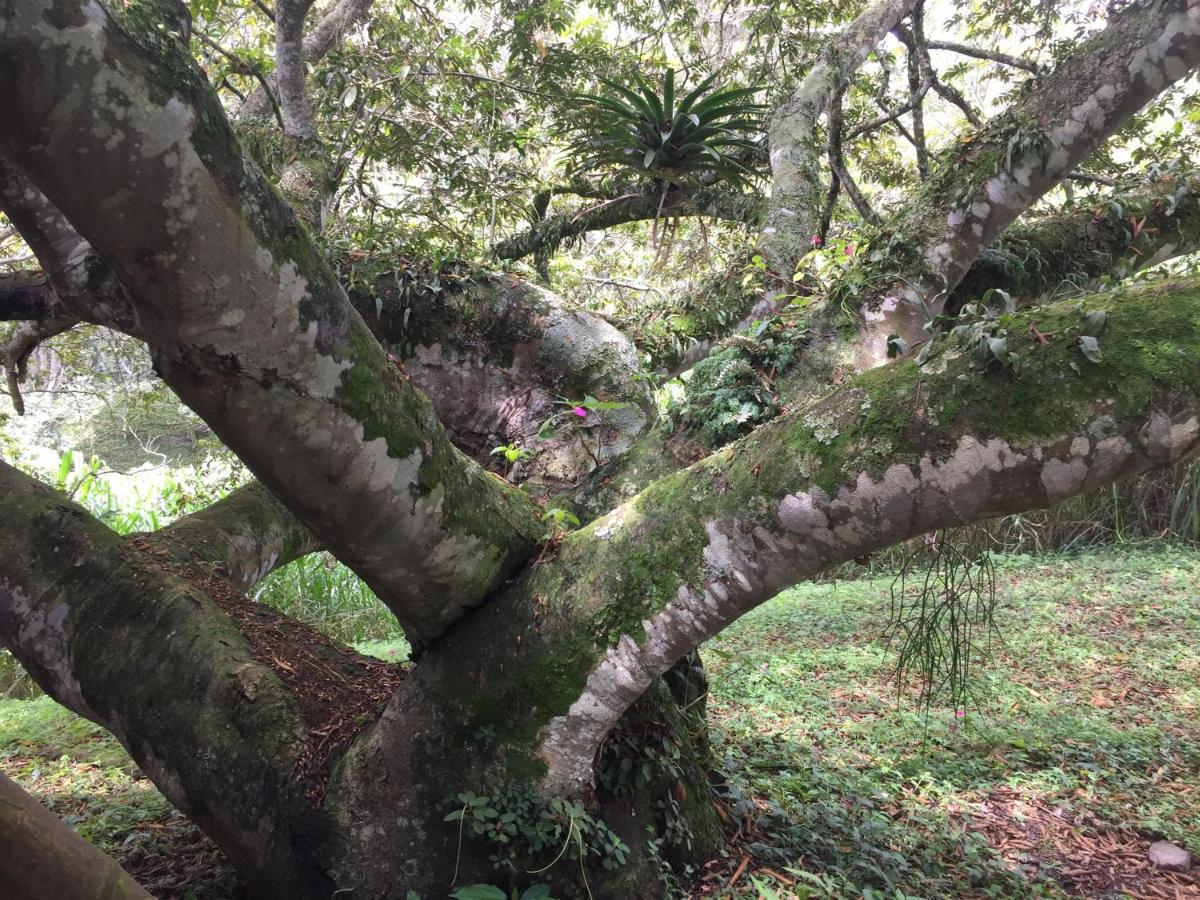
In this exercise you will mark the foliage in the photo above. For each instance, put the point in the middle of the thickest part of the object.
(645, 132)
(732, 390)
(943, 629)
(520, 825)
(320, 591)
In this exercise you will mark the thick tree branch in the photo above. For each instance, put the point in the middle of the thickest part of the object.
(1112, 237)
(985, 182)
(246, 321)
(795, 205)
(637, 205)
(244, 536)
(889, 455)
(203, 687)
(27, 296)
(43, 858)
(497, 355)
(83, 287)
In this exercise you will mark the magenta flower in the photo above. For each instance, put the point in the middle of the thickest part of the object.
(580, 411)
(815, 241)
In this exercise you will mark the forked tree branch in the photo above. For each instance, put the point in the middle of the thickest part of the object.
(984, 182)
(284, 370)
(794, 210)
(889, 455)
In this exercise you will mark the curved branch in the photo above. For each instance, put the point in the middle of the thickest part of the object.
(1111, 237)
(889, 455)
(23, 340)
(984, 182)
(637, 205)
(837, 163)
(43, 858)
(83, 286)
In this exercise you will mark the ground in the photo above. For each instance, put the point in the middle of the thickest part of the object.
(1084, 749)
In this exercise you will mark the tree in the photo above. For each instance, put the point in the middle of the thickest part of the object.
(539, 663)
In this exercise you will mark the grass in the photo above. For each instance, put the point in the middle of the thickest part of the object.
(319, 590)
(1092, 703)
(1090, 717)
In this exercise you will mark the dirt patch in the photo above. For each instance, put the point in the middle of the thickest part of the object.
(1087, 857)
(339, 692)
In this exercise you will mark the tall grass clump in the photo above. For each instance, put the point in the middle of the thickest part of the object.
(322, 592)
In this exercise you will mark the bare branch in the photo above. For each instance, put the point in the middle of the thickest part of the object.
(21, 343)
(917, 86)
(838, 164)
(638, 205)
(1006, 59)
(290, 73)
(889, 115)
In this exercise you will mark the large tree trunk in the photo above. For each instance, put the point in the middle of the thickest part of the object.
(532, 700)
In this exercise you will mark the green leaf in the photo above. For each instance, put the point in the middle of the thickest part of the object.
(1090, 348)
(537, 892)
(479, 892)
(1095, 323)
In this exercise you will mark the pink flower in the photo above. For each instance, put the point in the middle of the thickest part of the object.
(815, 241)
(580, 411)
(849, 249)
(960, 714)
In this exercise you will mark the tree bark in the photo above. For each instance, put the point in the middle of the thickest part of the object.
(41, 858)
(986, 181)
(795, 205)
(321, 772)
(283, 369)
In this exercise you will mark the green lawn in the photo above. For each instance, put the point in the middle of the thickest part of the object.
(1090, 722)
(1087, 746)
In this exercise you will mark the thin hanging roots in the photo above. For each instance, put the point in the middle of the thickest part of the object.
(941, 622)
(670, 228)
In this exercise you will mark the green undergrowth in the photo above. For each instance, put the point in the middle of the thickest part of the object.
(1091, 705)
